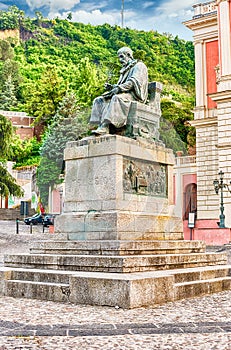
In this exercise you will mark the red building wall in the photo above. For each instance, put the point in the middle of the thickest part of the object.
(212, 60)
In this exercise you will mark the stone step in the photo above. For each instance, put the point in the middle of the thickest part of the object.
(38, 275)
(120, 264)
(148, 288)
(200, 273)
(203, 287)
(37, 290)
(60, 276)
(96, 288)
(117, 247)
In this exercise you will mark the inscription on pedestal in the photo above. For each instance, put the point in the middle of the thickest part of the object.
(140, 177)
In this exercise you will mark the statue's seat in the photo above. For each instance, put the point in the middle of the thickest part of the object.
(143, 119)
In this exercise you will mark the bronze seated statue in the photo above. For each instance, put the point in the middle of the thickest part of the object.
(132, 106)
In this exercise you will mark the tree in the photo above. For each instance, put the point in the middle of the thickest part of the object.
(68, 124)
(8, 96)
(25, 152)
(174, 124)
(8, 184)
(44, 97)
(6, 134)
(10, 69)
(6, 51)
(11, 18)
(69, 16)
(170, 137)
(88, 81)
(39, 18)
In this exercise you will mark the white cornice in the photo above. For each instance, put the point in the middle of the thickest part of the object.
(202, 123)
(201, 22)
(221, 96)
(211, 36)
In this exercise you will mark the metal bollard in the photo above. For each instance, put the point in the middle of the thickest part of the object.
(31, 227)
(17, 226)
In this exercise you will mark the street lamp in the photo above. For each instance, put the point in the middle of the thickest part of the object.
(220, 185)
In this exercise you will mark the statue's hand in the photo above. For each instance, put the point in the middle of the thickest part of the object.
(109, 94)
(108, 86)
(115, 90)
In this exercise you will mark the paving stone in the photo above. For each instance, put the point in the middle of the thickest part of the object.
(51, 332)
(201, 323)
(21, 318)
(97, 332)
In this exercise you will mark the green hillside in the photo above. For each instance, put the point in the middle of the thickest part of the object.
(53, 56)
(69, 46)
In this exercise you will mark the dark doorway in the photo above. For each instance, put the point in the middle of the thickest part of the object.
(190, 200)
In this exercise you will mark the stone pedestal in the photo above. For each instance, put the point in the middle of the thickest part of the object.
(118, 188)
(121, 244)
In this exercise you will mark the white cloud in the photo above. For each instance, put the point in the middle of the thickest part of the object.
(94, 17)
(164, 23)
(54, 5)
(173, 6)
(168, 17)
(147, 4)
(3, 6)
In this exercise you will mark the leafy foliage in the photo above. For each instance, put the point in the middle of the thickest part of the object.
(6, 134)
(6, 50)
(8, 184)
(68, 45)
(11, 19)
(8, 96)
(43, 98)
(10, 70)
(174, 127)
(25, 152)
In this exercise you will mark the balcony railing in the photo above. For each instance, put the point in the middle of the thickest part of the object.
(205, 9)
(185, 160)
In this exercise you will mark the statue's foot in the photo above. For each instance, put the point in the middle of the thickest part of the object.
(101, 130)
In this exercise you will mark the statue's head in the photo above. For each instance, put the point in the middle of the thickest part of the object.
(125, 50)
(125, 55)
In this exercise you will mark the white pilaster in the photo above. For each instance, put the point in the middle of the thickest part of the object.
(199, 67)
(224, 37)
(207, 165)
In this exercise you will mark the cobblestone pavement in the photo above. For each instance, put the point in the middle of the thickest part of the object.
(200, 323)
(13, 243)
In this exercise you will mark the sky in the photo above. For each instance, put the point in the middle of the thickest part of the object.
(165, 16)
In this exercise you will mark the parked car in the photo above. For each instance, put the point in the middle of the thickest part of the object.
(49, 219)
(34, 220)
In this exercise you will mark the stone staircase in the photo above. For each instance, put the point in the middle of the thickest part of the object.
(127, 274)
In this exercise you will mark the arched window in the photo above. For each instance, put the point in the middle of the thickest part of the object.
(190, 200)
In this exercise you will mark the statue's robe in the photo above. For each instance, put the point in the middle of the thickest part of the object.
(133, 86)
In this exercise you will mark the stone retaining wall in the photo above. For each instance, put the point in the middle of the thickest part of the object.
(12, 214)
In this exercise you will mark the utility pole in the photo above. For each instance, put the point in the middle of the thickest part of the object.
(122, 14)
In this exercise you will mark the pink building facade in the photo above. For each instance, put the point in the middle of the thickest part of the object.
(211, 26)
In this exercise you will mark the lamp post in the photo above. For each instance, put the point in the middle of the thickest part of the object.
(220, 185)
